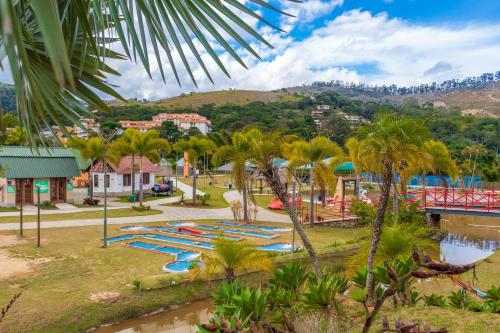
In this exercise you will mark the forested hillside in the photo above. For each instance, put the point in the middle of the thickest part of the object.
(7, 97)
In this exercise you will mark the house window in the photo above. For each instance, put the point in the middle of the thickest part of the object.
(107, 180)
(96, 181)
(145, 178)
(127, 179)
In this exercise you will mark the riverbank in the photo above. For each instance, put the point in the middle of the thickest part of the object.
(73, 284)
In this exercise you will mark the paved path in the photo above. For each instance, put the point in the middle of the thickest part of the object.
(169, 213)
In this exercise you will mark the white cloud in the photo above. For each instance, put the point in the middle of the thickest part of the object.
(402, 52)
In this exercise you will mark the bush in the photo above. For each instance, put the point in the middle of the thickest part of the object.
(137, 283)
(47, 205)
(91, 201)
(142, 208)
(364, 211)
(434, 300)
(203, 198)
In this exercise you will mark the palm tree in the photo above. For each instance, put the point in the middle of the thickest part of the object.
(265, 148)
(125, 146)
(313, 154)
(92, 150)
(476, 151)
(238, 152)
(232, 257)
(383, 146)
(150, 145)
(16, 136)
(195, 147)
(58, 51)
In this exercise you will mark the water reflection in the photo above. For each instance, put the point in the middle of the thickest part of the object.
(469, 238)
(181, 320)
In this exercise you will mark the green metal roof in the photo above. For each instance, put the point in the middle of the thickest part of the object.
(347, 166)
(41, 162)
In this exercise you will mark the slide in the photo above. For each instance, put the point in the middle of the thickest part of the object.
(191, 231)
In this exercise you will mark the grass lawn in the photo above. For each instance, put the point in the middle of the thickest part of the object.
(8, 209)
(56, 294)
(216, 192)
(122, 212)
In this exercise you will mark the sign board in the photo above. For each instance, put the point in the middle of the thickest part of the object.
(43, 184)
(69, 186)
(11, 189)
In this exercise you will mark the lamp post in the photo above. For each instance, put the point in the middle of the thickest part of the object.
(106, 140)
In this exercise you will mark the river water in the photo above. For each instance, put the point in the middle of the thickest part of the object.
(467, 239)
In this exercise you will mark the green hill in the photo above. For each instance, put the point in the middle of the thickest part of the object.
(7, 97)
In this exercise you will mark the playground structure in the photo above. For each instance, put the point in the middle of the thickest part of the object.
(276, 204)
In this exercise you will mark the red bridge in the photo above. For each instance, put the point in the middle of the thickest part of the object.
(458, 201)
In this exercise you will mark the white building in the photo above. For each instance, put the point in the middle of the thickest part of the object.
(119, 178)
(141, 125)
(89, 126)
(185, 121)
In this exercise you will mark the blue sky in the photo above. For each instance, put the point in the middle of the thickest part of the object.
(374, 41)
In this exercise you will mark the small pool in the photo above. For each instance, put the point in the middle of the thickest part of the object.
(175, 240)
(182, 224)
(278, 247)
(253, 226)
(176, 231)
(179, 266)
(179, 254)
(237, 231)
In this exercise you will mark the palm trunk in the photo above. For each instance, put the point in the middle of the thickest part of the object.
(141, 184)
(91, 186)
(194, 185)
(311, 198)
(377, 229)
(245, 203)
(281, 193)
(230, 275)
(395, 202)
(133, 176)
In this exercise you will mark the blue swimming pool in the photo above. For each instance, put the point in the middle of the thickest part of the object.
(179, 266)
(175, 240)
(180, 254)
(278, 247)
(230, 230)
(253, 226)
(176, 231)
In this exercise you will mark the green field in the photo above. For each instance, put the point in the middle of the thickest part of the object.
(95, 214)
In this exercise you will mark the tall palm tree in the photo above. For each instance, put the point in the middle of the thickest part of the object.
(232, 257)
(265, 148)
(195, 147)
(313, 154)
(58, 51)
(150, 145)
(382, 146)
(92, 149)
(476, 151)
(125, 146)
(238, 152)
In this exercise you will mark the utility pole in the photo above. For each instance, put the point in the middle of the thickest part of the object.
(21, 183)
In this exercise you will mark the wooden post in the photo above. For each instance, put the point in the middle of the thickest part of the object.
(38, 215)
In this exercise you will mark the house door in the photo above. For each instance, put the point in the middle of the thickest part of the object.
(58, 189)
(24, 191)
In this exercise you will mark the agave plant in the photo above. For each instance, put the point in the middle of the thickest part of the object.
(492, 300)
(321, 293)
(434, 300)
(291, 276)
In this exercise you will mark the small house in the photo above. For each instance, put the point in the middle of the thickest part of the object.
(119, 177)
(25, 169)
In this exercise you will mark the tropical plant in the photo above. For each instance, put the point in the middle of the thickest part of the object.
(321, 293)
(434, 300)
(265, 149)
(93, 150)
(238, 152)
(291, 276)
(320, 156)
(125, 146)
(195, 147)
(58, 51)
(473, 151)
(492, 300)
(232, 257)
(381, 147)
(364, 211)
(16, 136)
(203, 198)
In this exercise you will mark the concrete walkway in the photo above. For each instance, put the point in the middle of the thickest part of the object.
(169, 213)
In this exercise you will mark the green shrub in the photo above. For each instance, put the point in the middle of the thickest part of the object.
(137, 283)
(364, 211)
(203, 198)
(434, 300)
(142, 208)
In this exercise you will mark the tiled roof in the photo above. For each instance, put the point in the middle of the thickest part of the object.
(125, 166)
